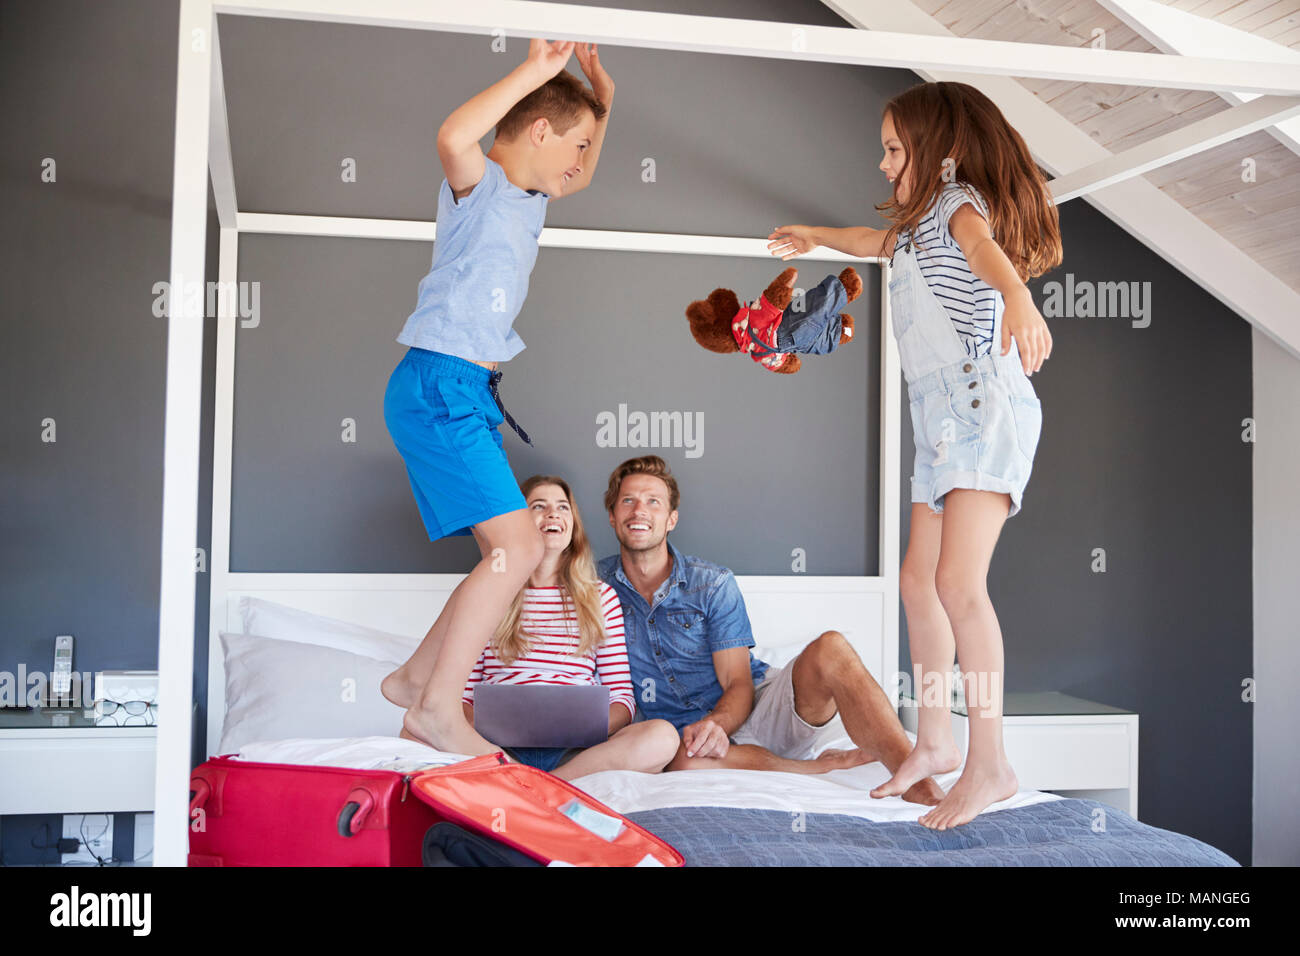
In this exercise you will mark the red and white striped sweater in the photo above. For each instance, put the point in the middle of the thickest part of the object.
(551, 658)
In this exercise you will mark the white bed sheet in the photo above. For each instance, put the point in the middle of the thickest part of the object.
(838, 791)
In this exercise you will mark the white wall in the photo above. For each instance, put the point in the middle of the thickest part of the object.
(1276, 827)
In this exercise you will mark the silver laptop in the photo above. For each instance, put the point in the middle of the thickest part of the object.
(542, 715)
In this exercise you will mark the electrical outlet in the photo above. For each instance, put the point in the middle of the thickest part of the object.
(95, 829)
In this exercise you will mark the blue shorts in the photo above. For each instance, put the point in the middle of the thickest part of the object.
(976, 424)
(443, 419)
(543, 758)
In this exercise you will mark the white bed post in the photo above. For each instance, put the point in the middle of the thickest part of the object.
(890, 439)
(181, 434)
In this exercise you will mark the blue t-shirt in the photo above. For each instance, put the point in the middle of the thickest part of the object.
(484, 252)
(971, 303)
(670, 644)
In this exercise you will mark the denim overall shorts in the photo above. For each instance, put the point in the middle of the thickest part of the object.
(443, 414)
(975, 421)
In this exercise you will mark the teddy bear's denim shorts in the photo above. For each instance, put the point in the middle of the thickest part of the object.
(444, 421)
(976, 424)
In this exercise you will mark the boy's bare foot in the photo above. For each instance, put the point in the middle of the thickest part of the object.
(397, 688)
(840, 759)
(451, 736)
(920, 763)
(974, 790)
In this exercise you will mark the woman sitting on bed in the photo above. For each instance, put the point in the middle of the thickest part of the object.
(566, 627)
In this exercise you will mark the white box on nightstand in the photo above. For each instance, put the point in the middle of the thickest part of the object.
(1068, 745)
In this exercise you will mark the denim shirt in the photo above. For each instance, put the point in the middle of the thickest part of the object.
(670, 644)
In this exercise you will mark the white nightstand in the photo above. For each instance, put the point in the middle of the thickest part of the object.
(78, 768)
(1070, 746)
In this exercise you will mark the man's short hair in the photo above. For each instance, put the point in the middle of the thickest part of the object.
(562, 100)
(645, 465)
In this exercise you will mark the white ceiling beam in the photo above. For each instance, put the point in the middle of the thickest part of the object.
(1174, 31)
(1145, 212)
(1193, 138)
(791, 41)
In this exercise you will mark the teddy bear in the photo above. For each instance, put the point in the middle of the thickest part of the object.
(778, 325)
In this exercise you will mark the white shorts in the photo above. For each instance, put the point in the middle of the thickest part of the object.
(773, 722)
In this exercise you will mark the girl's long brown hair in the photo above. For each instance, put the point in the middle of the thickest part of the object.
(580, 588)
(955, 121)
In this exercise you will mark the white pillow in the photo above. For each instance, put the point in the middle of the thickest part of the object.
(282, 623)
(277, 689)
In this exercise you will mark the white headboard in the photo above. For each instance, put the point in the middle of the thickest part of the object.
(785, 612)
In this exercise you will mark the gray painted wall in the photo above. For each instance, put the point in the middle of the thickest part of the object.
(1137, 455)
(1276, 828)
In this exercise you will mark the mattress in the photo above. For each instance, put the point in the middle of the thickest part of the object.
(762, 818)
(836, 792)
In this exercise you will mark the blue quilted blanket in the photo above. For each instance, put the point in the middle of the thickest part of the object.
(1055, 833)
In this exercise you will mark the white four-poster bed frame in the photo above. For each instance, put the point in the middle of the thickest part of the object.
(400, 602)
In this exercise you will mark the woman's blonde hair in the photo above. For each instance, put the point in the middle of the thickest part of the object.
(954, 133)
(580, 589)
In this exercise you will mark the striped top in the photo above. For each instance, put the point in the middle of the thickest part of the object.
(550, 659)
(972, 304)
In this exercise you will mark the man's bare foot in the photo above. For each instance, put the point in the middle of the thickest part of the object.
(829, 760)
(450, 736)
(974, 790)
(924, 791)
(920, 763)
(397, 688)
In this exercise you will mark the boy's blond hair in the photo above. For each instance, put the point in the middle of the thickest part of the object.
(561, 99)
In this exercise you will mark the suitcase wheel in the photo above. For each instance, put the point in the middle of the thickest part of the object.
(353, 815)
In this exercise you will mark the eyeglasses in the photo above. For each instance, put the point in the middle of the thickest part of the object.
(133, 709)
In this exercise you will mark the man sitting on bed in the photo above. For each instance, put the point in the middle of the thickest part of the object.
(688, 640)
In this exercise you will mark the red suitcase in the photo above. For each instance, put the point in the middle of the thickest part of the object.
(244, 813)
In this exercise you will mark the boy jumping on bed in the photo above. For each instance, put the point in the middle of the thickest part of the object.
(442, 406)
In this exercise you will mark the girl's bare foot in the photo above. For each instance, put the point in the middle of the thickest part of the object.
(922, 762)
(840, 759)
(924, 791)
(453, 735)
(974, 790)
(397, 688)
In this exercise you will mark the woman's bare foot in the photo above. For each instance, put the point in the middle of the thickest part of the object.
(450, 736)
(397, 688)
(829, 760)
(922, 762)
(974, 790)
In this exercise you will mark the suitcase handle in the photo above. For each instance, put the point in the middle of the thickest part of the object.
(199, 787)
(353, 815)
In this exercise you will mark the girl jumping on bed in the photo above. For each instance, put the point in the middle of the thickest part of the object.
(971, 219)
(566, 627)
(442, 406)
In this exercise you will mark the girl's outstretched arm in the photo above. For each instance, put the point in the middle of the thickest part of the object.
(791, 241)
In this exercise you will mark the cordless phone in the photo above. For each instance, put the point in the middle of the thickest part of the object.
(61, 676)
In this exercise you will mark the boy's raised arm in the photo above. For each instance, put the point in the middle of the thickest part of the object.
(602, 85)
(459, 135)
